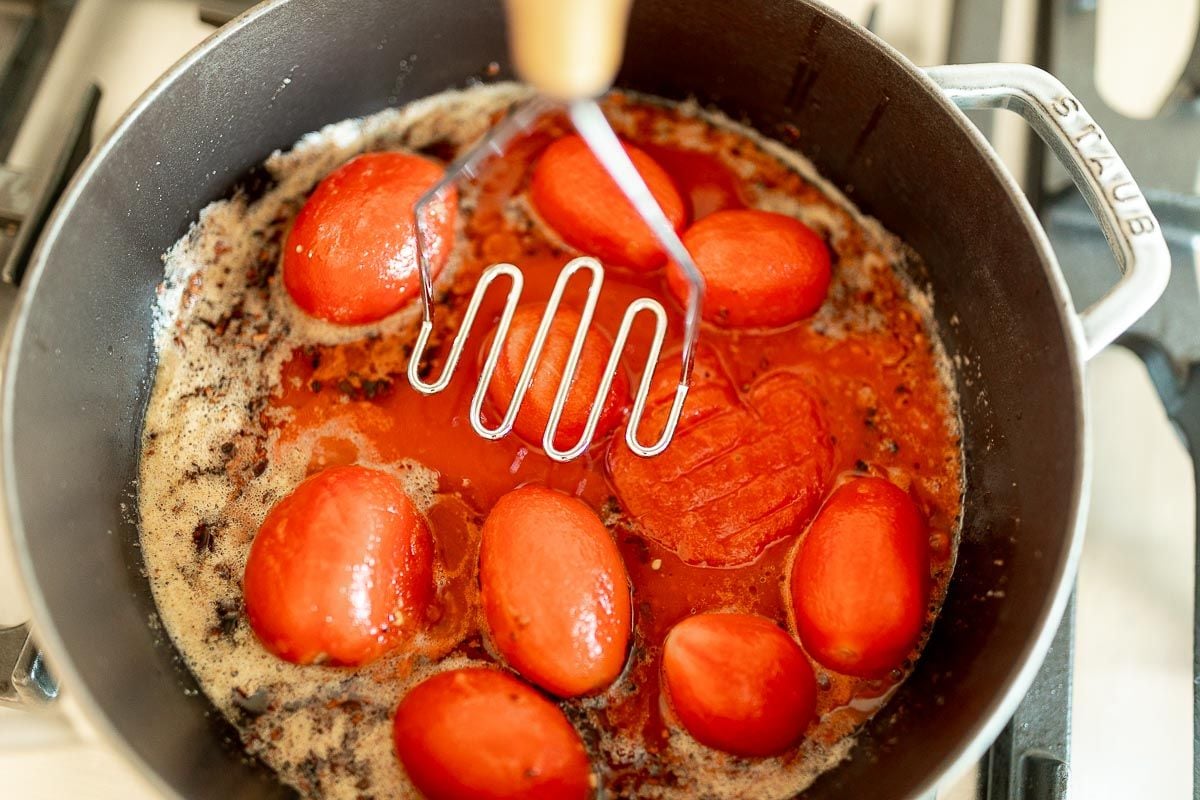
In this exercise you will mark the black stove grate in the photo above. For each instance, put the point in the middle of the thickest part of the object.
(29, 32)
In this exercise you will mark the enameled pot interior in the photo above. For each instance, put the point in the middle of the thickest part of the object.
(83, 361)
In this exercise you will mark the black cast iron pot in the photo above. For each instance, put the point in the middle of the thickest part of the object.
(81, 363)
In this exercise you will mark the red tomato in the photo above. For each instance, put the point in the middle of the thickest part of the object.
(706, 183)
(738, 683)
(860, 581)
(341, 570)
(350, 256)
(575, 196)
(762, 269)
(743, 471)
(555, 592)
(479, 733)
(535, 410)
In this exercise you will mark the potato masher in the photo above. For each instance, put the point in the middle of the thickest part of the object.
(569, 51)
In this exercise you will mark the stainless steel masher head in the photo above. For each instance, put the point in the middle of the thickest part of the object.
(569, 51)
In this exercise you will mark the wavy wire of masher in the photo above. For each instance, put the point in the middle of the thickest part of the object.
(589, 121)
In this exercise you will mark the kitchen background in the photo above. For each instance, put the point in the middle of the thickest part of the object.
(1129, 706)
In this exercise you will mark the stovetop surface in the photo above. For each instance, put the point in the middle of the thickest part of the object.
(1133, 656)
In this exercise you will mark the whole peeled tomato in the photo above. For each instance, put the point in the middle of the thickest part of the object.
(555, 592)
(535, 410)
(574, 194)
(761, 269)
(703, 180)
(341, 570)
(350, 256)
(480, 733)
(738, 683)
(860, 580)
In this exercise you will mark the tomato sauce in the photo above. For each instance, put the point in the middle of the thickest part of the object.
(876, 378)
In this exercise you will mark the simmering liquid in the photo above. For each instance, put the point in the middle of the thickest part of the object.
(251, 396)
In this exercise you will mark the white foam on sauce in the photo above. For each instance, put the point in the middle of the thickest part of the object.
(224, 330)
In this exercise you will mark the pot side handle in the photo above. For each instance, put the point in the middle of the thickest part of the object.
(24, 679)
(1129, 225)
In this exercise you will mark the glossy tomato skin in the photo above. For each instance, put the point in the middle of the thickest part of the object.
(479, 733)
(738, 683)
(555, 591)
(762, 270)
(350, 255)
(341, 570)
(535, 410)
(860, 579)
(706, 184)
(575, 196)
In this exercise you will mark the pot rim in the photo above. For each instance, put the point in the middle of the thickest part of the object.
(986, 727)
